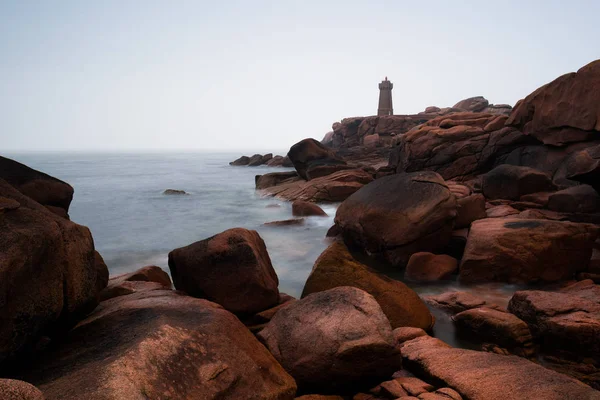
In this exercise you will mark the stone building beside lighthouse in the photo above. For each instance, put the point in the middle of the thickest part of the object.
(385, 98)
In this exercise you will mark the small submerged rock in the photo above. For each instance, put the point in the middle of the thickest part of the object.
(286, 222)
(174, 192)
(305, 209)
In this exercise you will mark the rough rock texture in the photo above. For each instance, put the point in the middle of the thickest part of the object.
(331, 188)
(564, 110)
(150, 273)
(581, 198)
(319, 397)
(333, 341)
(160, 345)
(583, 166)
(275, 178)
(406, 333)
(352, 132)
(457, 146)
(308, 154)
(500, 328)
(516, 250)
(48, 273)
(12, 389)
(305, 209)
(36, 185)
(501, 211)
(174, 192)
(564, 321)
(286, 222)
(101, 272)
(336, 267)
(469, 209)
(480, 375)
(231, 268)
(511, 182)
(455, 302)
(398, 215)
(429, 267)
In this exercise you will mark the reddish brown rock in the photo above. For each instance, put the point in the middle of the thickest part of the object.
(500, 328)
(37, 185)
(429, 267)
(121, 285)
(12, 389)
(583, 166)
(319, 397)
(406, 333)
(231, 268)
(480, 375)
(511, 182)
(309, 153)
(319, 171)
(516, 250)
(49, 277)
(161, 344)
(336, 341)
(336, 267)
(455, 302)
(472, 104)
(459, 145)
(305, 209)
(331, 188)
(501, 211)
(101, 272)
(276, 161)
(564, 110)
(469, 209)
(398, 215)
(275, 178)
(581, 198)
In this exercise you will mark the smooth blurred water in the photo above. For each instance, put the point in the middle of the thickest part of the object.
(120, 198)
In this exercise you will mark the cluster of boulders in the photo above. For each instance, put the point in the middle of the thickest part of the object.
(259, 159)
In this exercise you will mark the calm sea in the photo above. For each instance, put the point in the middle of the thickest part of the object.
(119, 197)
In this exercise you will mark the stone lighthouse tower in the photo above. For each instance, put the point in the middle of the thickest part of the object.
(385, 98)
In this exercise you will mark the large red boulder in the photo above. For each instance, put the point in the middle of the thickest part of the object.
(310, 153)
(564, 110)
(232, 268)
(333, 341)
(43, 188)
(511, 182)
(429, 267)
(49, 276)
(479, 375)
(335, 187)
(457, 146)
(473, 104)
(336, 267)
(526, 250)
(12, 389)
(398, 215)
(160, 344)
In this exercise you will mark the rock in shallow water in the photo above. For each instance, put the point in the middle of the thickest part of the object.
(304, 209)
(398, 215)
(158, 345)
(429, 267)
(333, 341)
(174, 192)
(232, 268)
(336, 267)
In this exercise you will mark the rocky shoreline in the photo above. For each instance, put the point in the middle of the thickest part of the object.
(474, 192)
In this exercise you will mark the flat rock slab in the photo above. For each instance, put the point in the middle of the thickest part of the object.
(485, 376)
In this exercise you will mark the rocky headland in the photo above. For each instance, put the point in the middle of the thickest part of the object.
(472, 193)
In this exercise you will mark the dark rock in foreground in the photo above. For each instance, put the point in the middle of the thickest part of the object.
(511, 182)
(398, 215)
(333, 341)
(480, 375)
(336, 267)
(50, 276)
(161, 344)
(43, 188)
(231, 268)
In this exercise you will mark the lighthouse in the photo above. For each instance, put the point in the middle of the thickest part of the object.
(385, 98)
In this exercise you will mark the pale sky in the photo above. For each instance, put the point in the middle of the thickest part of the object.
(261, 75)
